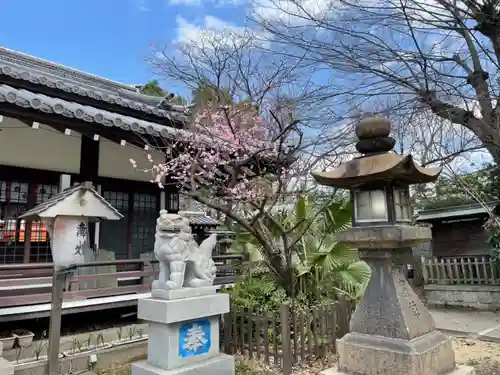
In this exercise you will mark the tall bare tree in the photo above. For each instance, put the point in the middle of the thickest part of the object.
(438, 57)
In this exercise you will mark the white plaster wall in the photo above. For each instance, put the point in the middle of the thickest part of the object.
(114, 161)
(43, 148)
(49, 149)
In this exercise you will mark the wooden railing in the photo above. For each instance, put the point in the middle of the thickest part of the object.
(461, 270)
(31, 284)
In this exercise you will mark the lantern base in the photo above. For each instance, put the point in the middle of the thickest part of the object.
(459, 370)
(387, 237)
(430, 354)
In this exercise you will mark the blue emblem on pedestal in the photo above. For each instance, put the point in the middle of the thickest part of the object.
(194, 338)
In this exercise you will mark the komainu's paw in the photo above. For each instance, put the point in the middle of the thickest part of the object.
(196, 283)
(170, 285)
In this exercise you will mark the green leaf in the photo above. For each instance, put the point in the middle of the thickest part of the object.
(322, 267)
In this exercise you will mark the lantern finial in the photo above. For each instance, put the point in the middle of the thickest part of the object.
(373, 136)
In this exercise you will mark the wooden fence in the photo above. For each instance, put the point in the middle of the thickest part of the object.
(461, 270)
(262, 335)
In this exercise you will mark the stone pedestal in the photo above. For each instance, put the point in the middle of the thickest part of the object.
(459, 370)
(184, 333)
(391, 331)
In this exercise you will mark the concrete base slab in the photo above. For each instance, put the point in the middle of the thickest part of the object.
(179, 310)
(465, 322)
(459, 370)
(170, 294)
(492, 336)
(220, 365)
(6, 368)
(430, 354)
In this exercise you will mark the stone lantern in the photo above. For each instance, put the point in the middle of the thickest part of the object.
(391, 331)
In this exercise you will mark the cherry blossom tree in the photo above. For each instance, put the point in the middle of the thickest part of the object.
(236, 154)
(225, 152)
(235, 161)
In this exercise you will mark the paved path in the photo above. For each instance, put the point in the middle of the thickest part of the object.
(483, 325)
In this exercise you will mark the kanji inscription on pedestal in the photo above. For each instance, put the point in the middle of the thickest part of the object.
(194, 338)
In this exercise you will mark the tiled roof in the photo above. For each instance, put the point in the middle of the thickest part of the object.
(195, 219)
(197, 206)
(62, 196)
(29, 68)
(457, 211)
(46, 104)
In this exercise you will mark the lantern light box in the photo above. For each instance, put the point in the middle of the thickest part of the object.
(67, 216)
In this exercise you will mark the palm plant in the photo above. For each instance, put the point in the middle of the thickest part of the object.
(323, 269)
(326, 266)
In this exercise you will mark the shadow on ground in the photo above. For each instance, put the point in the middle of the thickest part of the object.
(483, 356)
(486, 367)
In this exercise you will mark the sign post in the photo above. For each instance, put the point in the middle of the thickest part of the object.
(66, 216)
(58, 283)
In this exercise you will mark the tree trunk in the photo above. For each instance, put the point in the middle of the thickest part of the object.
(494, 150)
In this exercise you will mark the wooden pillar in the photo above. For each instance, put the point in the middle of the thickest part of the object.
(64, 182)
(29, 223)
(163, 203)
(167, 192)
(89, 171)
(97, 232)
(58, 282)
(129, 224)
(89, 159)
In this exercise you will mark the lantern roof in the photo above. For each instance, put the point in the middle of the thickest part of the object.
(378, 162)
(79, 200)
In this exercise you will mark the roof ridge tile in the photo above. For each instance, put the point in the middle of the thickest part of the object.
(75, 87)
(47, 104)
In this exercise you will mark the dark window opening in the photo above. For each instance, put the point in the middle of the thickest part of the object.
(172, 202)
(134, 233)
(15, 198)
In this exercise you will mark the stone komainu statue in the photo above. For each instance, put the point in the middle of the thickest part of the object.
(182, 262)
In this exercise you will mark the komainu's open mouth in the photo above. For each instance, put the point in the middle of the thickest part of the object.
(170, 230)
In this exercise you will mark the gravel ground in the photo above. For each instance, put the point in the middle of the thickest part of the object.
(487, 367)
(484, 356)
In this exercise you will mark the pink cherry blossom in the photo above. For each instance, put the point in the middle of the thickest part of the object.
(218, 142)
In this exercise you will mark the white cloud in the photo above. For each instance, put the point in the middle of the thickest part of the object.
(217, 3)
(214, 32)
(301, 12)
(185, 2)
(142, 5)
(293, 11)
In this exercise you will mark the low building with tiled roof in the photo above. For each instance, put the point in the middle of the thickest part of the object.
(55, 121)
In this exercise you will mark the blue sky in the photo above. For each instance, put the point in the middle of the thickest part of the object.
(110, 38)
(104, 37)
